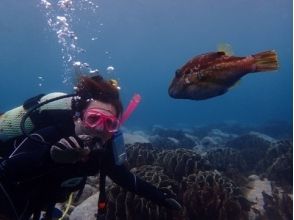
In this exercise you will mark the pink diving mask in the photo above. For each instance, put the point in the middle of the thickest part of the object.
(94, 118)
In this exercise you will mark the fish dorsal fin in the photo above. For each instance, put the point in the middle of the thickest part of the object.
(209, 56)
(226, 48)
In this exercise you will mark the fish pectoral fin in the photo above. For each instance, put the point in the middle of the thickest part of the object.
(237, 83)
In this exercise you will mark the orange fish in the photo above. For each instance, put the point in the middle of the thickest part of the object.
(212, 74)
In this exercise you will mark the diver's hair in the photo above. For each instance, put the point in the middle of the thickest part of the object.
(97, 88)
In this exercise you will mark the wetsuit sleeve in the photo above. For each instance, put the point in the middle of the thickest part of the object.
(30, 158)
(121, 176)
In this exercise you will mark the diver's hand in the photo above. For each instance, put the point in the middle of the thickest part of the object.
(171, 203)
(68, 150)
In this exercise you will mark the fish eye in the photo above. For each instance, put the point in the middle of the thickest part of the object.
(178, 73)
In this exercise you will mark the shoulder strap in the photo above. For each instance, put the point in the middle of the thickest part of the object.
(32, 101)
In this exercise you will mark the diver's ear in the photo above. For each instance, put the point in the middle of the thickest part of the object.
(178, 73)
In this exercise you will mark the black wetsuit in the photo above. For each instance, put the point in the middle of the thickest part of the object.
(33, 181)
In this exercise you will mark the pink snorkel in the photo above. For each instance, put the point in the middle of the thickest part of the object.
(131, 107)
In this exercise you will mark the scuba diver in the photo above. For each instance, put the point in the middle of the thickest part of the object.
(64, 147)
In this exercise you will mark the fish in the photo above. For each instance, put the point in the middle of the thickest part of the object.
(213, 74)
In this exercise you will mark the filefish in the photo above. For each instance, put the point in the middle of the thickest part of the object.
(213, 74)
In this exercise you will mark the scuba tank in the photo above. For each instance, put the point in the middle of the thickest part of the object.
(45, 112)
(35, 113)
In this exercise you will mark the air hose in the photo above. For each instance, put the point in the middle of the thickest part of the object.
(31, 110)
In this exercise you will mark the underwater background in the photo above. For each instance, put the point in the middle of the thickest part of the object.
(229, 157)
(145, 42)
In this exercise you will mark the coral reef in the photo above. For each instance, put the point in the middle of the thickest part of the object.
(277, 163)
(171, 138)
(223, 159)
(209, 195)
(141, 154)
(205, 195)
(252, 148)
(180, 162)
(230, 162)
(229, 127)
(125, 205)
(206, 170)
(176, 163)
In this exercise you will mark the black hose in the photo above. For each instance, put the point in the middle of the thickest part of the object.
(101, 212)
(30, 111)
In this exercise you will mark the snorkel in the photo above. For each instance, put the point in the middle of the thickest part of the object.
(119, 150)
(119, 154)
(130, 108)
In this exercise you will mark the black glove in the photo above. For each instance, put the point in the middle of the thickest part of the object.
(171, 203)
(68, 150)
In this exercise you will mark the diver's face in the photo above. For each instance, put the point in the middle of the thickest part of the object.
(107, 111)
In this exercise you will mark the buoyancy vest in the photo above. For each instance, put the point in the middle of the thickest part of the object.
(54, 113)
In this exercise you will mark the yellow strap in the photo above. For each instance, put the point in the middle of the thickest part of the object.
(67, 206)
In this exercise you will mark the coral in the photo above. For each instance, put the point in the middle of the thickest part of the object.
(210, 183)
(176, 163)
(164, 132)
(141, 154)
(210, 142)
(204, 195)
(226, 127)
(171, 138)
(252, 148)
(209, 195)
(277, 163)
(224, 158)
(126, 205)
(164, 142)
(180, 162)
(282, 170)
(230, 162)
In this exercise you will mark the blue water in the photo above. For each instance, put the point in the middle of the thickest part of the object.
(146, 41)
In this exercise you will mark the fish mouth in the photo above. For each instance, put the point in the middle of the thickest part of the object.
(176, 93)
(172, 93)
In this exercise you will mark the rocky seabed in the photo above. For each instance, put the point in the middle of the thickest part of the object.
(215, 175)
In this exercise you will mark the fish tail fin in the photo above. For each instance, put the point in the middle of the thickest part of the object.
(266, 61)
